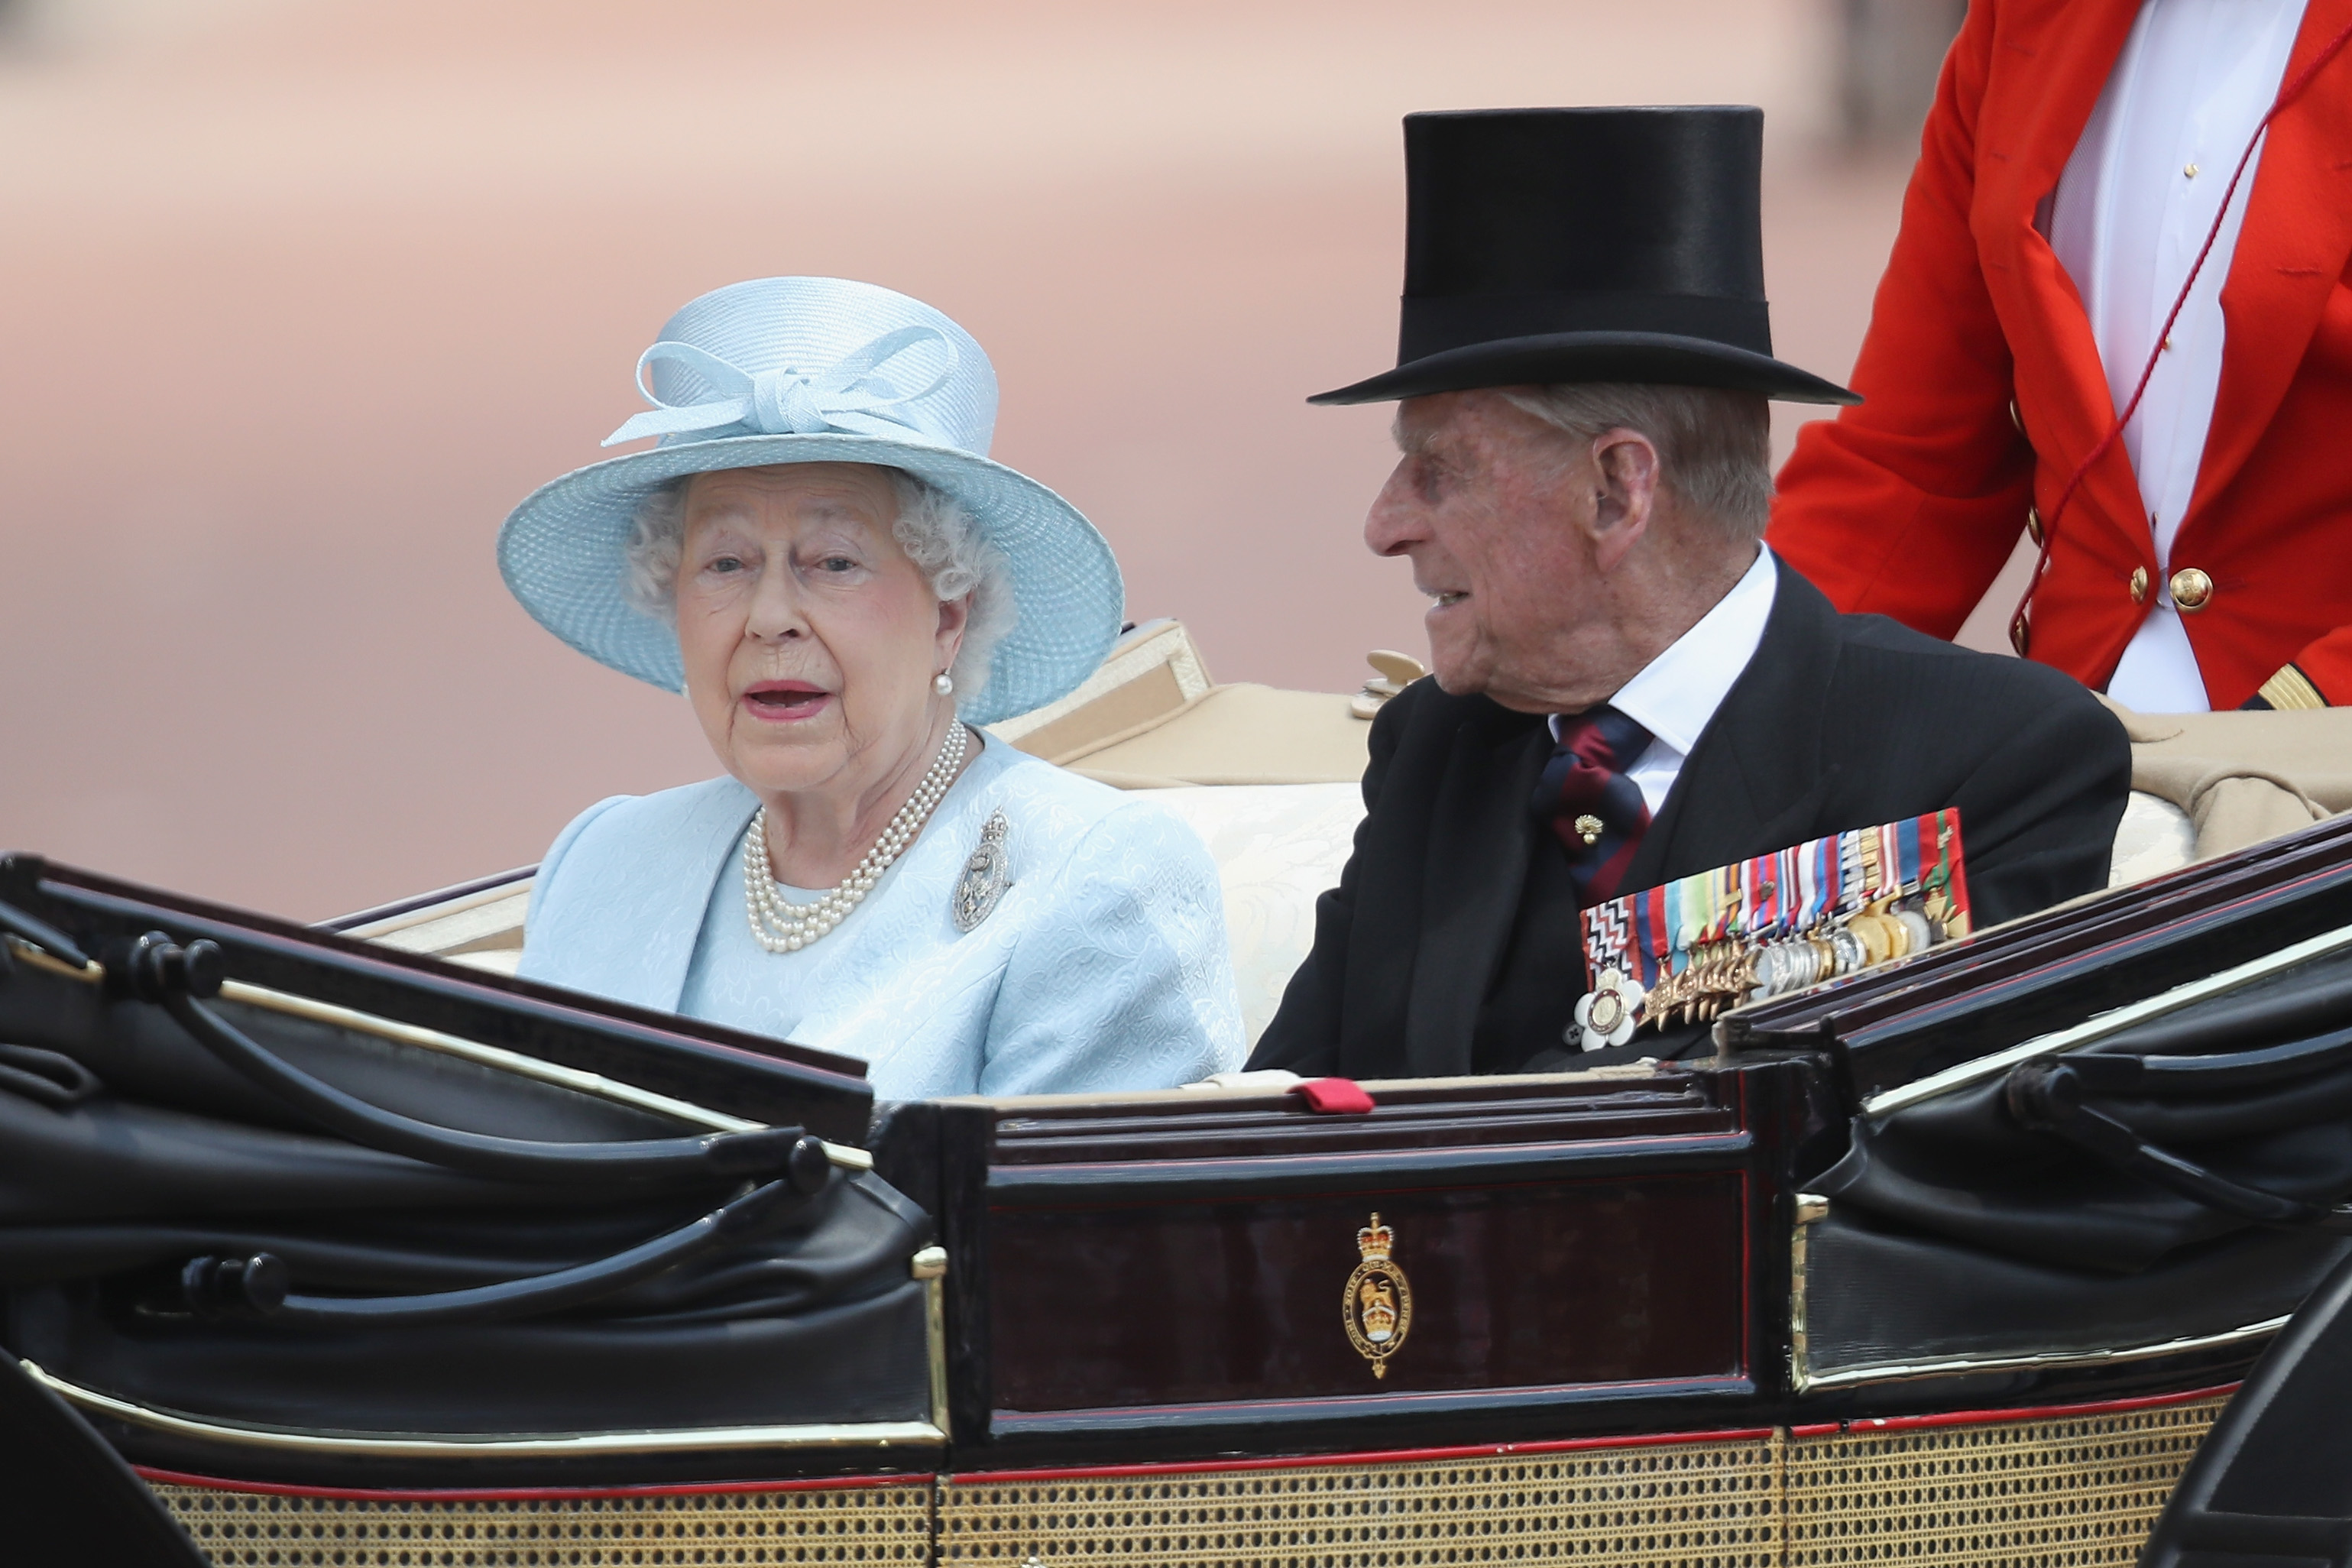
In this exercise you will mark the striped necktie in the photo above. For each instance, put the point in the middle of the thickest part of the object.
(1591, 803)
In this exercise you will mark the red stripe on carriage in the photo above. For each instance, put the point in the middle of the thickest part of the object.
(2035, 1413)
(1867, 1427)
(527, 1494)
(1504, 1451)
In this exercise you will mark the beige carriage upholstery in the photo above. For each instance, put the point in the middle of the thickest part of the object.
(480, 929)
(1269, 780)
(2239, 778)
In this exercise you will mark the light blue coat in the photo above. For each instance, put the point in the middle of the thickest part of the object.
(1104, 966)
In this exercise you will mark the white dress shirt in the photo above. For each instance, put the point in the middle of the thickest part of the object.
(2194, 79)
(1677, 692)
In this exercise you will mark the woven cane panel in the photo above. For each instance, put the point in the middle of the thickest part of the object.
(2080, 1490)
(848, 1524)
(1696, 1503)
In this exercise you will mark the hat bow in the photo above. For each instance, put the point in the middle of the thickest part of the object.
(848, 396)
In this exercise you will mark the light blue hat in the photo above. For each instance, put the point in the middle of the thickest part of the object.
(817, 370)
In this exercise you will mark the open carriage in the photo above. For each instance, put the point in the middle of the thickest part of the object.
(360, 1255)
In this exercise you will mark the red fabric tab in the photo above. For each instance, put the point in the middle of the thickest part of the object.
(1334, 1096)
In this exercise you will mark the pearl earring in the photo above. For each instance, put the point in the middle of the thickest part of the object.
(943, 683)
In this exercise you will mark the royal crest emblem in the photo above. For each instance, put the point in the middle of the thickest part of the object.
(1377, 1304)
(983, 881)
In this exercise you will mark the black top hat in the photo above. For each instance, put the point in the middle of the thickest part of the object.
(1552, 245)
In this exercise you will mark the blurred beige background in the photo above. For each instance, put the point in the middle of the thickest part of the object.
(298, 297)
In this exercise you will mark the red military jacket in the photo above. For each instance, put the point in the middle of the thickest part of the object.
(1984, 386)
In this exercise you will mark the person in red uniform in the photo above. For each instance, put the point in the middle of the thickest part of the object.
(2069, 173)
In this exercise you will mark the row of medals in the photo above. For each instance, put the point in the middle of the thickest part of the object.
(1725, 973)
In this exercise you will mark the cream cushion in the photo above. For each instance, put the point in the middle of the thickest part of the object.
(2155, 837)
(2243, 777)
(1277, 846)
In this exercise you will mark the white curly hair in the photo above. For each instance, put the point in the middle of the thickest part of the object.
(940, 536)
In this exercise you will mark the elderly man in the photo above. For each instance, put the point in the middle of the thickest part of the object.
(1628, 688)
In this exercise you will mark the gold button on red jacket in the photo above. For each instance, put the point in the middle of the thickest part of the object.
(1910, 504)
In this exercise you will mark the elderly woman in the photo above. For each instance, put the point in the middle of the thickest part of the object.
(820, 555)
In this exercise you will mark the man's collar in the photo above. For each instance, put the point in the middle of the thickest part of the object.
(1677, 692)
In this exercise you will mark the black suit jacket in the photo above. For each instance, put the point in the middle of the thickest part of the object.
(1441, 953)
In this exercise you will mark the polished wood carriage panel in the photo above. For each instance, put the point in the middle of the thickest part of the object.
(1157, 1276)
(1518, 1284)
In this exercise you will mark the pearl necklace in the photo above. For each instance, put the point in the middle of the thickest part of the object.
(782, 926)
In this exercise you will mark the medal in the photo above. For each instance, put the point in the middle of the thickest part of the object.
(1649, 947)
(1870, 931)
(1922, 933)
(1685, 951)
(1814, 862)
(1607, 1014)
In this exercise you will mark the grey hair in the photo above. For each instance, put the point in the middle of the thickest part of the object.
(1715, 445)
(938, 533)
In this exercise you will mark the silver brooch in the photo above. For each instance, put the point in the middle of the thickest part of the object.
(983, 881)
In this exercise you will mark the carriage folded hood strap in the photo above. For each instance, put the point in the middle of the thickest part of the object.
(622, 908)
